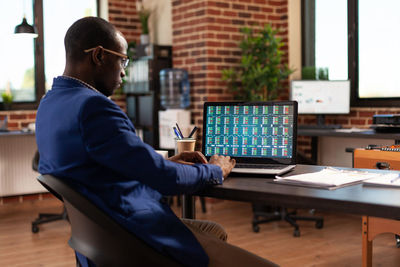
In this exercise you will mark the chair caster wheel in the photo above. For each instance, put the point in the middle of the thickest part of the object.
(256, 228)
(319, 224)
(35, 229)
(296, 233)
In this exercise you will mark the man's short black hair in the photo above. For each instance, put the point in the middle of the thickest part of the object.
(87, 33)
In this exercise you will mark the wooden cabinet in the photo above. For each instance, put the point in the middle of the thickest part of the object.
(372, 226)
(376, 159)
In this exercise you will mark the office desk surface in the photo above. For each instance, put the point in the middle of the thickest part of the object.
(356, 199)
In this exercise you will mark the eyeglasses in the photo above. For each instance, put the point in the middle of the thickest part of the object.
(124, 61)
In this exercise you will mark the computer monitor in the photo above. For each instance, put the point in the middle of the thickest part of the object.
(321, 97)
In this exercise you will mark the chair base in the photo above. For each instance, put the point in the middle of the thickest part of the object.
(270, 214)
(48, 217)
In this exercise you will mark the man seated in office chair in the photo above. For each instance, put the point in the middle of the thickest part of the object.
(86, 139)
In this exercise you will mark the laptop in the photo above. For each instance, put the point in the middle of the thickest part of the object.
(261, 136)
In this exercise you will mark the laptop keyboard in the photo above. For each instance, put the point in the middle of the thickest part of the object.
(259, 166)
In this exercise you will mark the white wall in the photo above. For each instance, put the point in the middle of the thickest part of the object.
(160, 21)
(294, 18)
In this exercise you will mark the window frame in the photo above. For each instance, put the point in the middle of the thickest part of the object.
(353, 64)
(39, 64)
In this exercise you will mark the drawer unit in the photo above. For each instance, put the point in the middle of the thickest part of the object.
(376, 159)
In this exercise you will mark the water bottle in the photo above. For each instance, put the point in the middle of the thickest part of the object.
(175, 88)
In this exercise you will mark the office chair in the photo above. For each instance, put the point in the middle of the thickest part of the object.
(45, 217)
(97, 236)
(270, 213)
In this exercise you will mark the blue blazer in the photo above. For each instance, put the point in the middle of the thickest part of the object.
(86, 139)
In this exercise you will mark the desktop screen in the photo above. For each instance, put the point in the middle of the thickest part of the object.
(256, 130)
(321, 97)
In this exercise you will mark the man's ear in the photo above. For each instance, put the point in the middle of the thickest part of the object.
(98, 56)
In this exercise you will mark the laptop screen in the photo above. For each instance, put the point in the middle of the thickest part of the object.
(251, 132)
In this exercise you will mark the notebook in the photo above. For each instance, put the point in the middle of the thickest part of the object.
(261, 136)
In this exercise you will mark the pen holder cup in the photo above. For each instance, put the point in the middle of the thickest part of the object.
(185, 144)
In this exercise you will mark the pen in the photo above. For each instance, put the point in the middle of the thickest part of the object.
(395, 179)
(193, 131)
(179, 130)
(177, 133)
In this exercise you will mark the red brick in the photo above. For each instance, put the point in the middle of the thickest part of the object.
(13, 124)
(230, 44)
(259, 16)
(214, 28)
(237, 22)
(222, 21)
(11, 199)
(47, 195)
(244, 15)
(17, 116)
(253, 8)
(230, 29)
(32, 116)
(229, 13)
(274, 17)
(214, 44)
(238, 7)
(30, 197)
(267, 9)
(213, 12)
(358, 122)
(223, 36)
(366, 113)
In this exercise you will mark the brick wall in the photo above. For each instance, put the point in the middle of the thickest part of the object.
(123, 14)
(18, 119)
(206, 37)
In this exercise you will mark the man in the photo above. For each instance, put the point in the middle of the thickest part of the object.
(86, 139)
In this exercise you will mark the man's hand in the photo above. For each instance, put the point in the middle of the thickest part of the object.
(225, 162)
(189, 157)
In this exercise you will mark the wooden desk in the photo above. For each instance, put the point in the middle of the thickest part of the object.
(356, 199)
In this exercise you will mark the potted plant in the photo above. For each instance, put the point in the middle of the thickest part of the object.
(261, 72)
(314, 73)
(144, 15)
(7, 99)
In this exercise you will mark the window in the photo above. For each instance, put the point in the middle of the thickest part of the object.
(355, 40)
(331, 37)
(17, 67)
(29, 65)
(55, 26)
(378, 49)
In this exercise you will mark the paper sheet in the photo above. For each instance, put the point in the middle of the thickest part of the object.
(332, 178)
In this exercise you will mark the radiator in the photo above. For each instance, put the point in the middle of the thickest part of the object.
(16, 174)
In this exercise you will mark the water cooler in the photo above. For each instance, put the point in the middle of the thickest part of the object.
(174, 98)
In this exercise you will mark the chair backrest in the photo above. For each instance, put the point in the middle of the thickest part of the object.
(97, 236)
(35, 161)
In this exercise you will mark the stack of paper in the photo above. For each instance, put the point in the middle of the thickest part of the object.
(331, 178)
(384, 181)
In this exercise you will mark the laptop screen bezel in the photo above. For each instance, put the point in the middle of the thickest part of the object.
(255, 160)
